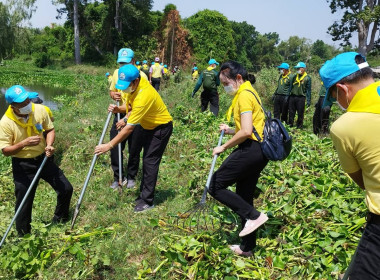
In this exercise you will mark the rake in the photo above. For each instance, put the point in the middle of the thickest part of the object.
(201, 211)
(76, 212)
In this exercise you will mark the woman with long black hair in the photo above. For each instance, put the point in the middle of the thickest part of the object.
(244, 165)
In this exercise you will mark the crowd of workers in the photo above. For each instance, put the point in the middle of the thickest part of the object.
(146, 124)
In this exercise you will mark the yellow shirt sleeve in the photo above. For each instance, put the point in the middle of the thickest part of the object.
(115, 76)
(6, 136)
(246, 102)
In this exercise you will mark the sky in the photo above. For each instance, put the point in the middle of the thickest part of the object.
(303, 18)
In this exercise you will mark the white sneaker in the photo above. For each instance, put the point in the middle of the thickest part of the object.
(252, 225)
(237, 251)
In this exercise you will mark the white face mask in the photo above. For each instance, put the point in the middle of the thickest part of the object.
(337, 102)
(299, 72)
(230, 90)
(282, 71)
(128, 90)
(26, 110)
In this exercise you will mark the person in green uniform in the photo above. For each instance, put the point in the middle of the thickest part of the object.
(209, 78)
(281, 95)
(299, 93)
(321, 114)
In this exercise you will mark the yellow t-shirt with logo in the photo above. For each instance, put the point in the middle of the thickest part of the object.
(11, 133)
(246, 102)
(356, 138)
(148, 109)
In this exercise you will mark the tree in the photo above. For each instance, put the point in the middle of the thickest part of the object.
(362, 16)
(211, 36)
(6, 32)
(76, 33)
(295, 49)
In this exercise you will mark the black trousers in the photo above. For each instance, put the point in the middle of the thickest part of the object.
(212, 97)
(366, 263)
(154, 143)
(296, 105)
(135, 145)
(321, 117)
(281, 107)
(24, 171)
(243, 167)
(156, 83)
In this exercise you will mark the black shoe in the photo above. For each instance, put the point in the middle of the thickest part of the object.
(140, 207)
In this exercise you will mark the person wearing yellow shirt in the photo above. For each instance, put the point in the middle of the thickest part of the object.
(138, 65)
(109, 78)
(155, 73)
(195, 73)
(148, 110)
(34, 97)
(125, 57)
(21, 138)
(245, 163)
(349, 81)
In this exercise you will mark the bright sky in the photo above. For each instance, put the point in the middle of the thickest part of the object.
(304, 18)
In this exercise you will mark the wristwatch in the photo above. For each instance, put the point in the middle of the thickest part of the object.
(125, 119)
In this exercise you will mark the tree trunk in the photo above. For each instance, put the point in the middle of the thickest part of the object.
(172, 48)
(76, 33)
(116, 24)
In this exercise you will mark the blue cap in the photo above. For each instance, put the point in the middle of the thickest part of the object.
(152, 62)
(16, 94)
(338, 68)
(283, 66)
(33, 95)
(127, 74)
(137, 62)
(125, 55)
(145, 61)
(213, 61)
(161, 64)
(107, 74)
(300, 65)
(165, 66)
(195, 68)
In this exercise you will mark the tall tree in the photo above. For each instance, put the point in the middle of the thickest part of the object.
(6, 32)
(76, 33)
(362, 16)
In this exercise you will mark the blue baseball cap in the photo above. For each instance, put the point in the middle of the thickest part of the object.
(300, 65)
(283, 66)
(33, 95)
(165, 66)
(127, 74)
(338, 68)
(137, 62)
(195, 68)
(16, 94)
(107, 74)
(213, 61)
(125, 55)
(145, 61)
(152, 62)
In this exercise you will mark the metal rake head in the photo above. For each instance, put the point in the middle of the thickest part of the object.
(203, 216)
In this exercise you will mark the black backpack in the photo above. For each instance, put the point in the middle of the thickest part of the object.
(277, 142)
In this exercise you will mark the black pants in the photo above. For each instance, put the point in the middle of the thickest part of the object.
(321, 117)
(24, 171)
(212, 97)
(156, 83)
(154, 144)
(243, 167)
(281, 107)
(296, 104)
(366, 264)
(115, 150)
(135, 145)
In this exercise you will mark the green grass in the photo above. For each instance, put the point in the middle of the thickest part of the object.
(314, 207)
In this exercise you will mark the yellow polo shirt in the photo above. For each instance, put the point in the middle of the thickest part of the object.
(245, 103)
(156, 70)
(11, 133)
(355, 136)
(148, 109)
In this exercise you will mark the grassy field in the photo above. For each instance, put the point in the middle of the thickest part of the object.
(315, 210)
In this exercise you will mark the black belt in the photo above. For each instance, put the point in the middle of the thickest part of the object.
(373, 218)
(40, 157)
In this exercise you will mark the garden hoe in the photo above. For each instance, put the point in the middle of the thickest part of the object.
(201, 211)
(76, 212)
(36, 177)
